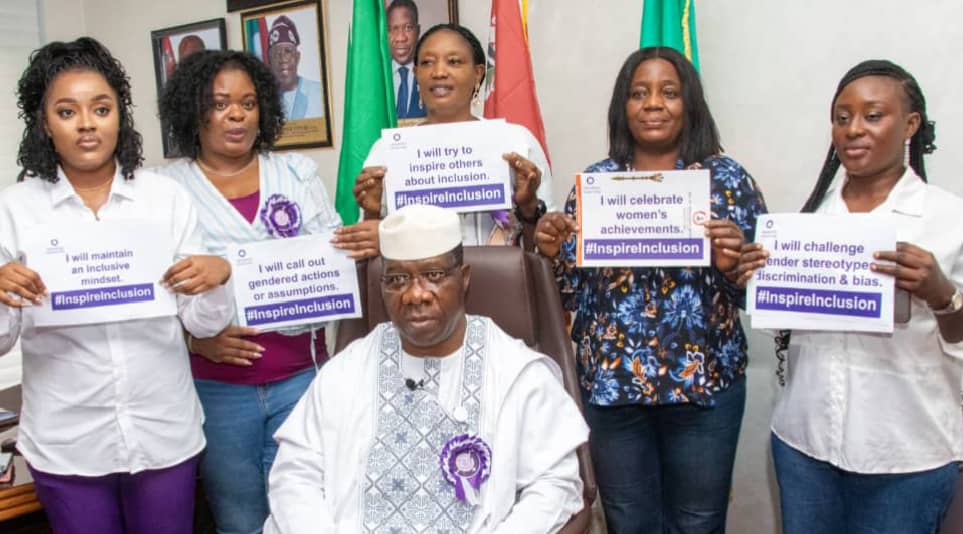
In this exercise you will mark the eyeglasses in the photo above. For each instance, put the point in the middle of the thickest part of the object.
(406, 28)
(400, 282)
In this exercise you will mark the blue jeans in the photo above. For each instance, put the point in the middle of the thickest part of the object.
(816, 496)
(666, 469)
(240, 421)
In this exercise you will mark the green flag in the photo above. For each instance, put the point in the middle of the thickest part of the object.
(368, 98)
(671, 23)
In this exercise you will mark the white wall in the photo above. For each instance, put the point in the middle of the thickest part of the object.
(19, 34)
(62, 20)
(769, 66)
(772, 68)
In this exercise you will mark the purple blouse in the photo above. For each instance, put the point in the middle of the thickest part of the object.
(283, 356)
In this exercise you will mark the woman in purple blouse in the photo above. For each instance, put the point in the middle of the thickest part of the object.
(222, 109)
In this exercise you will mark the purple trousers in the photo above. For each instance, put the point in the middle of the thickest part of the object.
(159, 501)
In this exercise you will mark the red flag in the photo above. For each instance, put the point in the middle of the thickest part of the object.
(167, 55)
(262, 31)
(511, 93)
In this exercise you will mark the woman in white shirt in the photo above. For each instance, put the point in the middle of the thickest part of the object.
(111, 425)
(450, 67)
(868, 433)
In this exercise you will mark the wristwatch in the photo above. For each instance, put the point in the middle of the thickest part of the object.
(540, 210)
(955, 305)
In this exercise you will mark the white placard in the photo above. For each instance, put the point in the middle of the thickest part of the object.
(280, 283)
(457, 166)
(818, 273)
(100, 272)
(643, 219)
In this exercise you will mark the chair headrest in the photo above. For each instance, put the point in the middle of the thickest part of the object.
(502, 287)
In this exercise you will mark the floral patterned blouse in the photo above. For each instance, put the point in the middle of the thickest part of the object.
(661, 335)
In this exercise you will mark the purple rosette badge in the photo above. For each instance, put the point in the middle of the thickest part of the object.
(466, 463)
(502, 218)
(281, 217)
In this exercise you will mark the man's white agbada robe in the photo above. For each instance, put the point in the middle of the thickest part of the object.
(530, 422)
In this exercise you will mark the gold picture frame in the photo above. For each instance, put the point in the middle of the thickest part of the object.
(291, 39)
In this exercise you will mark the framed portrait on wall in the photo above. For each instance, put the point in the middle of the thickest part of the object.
(238, 5)
(173, 45)
(290, 39)
(407, 19)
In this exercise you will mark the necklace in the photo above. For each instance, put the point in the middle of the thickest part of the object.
(209, 170)
(94, 188)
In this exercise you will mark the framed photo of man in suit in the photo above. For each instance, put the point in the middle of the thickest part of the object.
(290, 39)
(238, 5)
(173, 45)
(406, 20)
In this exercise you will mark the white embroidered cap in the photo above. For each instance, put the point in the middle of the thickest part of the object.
(419, 231)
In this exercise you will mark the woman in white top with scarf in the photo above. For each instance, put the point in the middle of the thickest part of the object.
(222, 110)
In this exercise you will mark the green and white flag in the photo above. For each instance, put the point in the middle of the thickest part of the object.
(368, 98)
(671, 23)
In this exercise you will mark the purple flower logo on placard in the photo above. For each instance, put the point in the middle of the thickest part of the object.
(281, 217)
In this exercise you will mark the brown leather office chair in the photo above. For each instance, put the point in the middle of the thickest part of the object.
(517, 290)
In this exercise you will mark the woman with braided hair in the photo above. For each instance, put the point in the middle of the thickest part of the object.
(868, 433)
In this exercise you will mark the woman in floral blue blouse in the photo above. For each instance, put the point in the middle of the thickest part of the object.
(661, 351)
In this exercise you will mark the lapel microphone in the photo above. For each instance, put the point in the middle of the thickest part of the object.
(412, 385)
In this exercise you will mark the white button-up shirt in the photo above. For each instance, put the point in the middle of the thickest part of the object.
(112, 397)
(883, 403)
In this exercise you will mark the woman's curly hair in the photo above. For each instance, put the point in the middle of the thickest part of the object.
(37, 156)
(188, 98)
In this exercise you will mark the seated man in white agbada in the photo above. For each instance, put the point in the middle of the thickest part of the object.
(437, 422)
